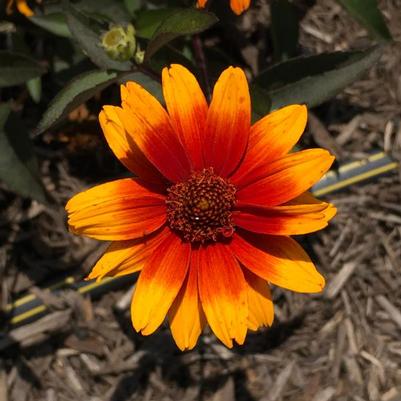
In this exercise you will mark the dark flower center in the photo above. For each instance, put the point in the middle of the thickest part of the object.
(200, 208)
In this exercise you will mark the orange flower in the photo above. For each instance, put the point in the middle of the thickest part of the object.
(209, 218)
(22, 7)
(238, 6)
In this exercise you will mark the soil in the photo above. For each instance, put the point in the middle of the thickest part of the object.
(342, 345)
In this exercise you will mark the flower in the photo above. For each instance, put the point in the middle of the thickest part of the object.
(238, 6)
(209, 218)
(22, 7)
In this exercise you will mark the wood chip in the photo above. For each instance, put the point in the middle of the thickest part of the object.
(280, 383)
(3, 384)
(393, 311)
(225, 393)
(325, 395)
(336, 284)
(27, 334)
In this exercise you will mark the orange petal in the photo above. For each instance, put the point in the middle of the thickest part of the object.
(223, 292)
(201, 3)
(124, 146)
(118, 210)
(288, 219)
(159, 283)
(239, 6)
(279, 260)
(126, 257)
(186, 315)
(24, 9)
(228, 122)
(260, 304)
(187, 107)
(270, 138)
(146, 120)
(286, 178)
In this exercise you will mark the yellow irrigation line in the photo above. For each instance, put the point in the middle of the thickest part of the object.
(353, 180)
(31, 297)
(89, 287)
(26, 315)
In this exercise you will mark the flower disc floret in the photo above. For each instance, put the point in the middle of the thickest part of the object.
(199, 209)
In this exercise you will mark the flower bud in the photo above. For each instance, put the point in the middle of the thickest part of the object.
(119, 42)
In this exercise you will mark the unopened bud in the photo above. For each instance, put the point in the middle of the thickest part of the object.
(119, 42)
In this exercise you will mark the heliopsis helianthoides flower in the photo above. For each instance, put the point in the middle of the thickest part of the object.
(208, 219)
(22, 7)
(238, 6)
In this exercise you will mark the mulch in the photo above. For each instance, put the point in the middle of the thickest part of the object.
(343, 344)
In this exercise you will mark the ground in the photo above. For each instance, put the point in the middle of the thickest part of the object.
(343, 344)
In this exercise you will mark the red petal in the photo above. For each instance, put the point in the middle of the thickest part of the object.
(125, 148)
(146, 121)
(187, 108)
(280, 181)
(223, 292)
(239, 6)
(126, 257)
(271, 138)
(288, 219)
(279, 260)
(186, 315)
(159, 282)
(115, 211)
(228, 122)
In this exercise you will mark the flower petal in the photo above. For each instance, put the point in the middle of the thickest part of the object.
(201, 3)
(286, 178)
(126, 257)
(260, 304)
(279, 260)
(118, 210)
(239, 6)
(159, 283)
(124, 146)
(146, 120)
(228, 122)
(186, 315)
(289, 219)
(270, 138)
(223, 292)
(187, 107)
(24, 9)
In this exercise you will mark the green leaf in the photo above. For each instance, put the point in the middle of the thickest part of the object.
(54, 23)
(367, 13)
(110, 10)
(132, 5)
(78, 91)
(261, 102)
(88, 32)
(284, 29)
(180, 22)
(148, 21)
(18, 165)
(16, 68)
(34, 86)
(315, 79)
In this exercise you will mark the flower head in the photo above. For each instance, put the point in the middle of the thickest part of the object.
(208, 219)
(238, 6)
